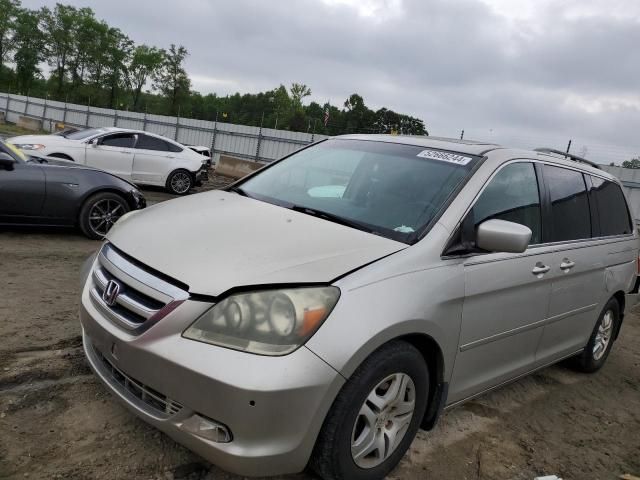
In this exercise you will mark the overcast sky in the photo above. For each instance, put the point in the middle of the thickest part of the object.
(521, 72)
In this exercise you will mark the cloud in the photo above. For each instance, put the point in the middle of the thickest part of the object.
(517, 71)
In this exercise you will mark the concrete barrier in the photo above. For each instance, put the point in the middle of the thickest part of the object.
(34, 124)
(235, 167)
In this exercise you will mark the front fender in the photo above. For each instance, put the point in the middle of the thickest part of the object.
(427, 302)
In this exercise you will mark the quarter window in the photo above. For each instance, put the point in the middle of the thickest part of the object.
(570, 214)
(613, 213)
(512, 195)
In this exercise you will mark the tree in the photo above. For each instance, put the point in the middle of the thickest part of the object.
(9, 9)
(29, 43)
(633, 163)
(171, 79)
(60, 30)
(145, 63)
(118, 51)
(298, 92)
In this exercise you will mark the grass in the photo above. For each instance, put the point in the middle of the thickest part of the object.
(11, 130)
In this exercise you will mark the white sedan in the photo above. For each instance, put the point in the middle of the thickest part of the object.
(137, 156)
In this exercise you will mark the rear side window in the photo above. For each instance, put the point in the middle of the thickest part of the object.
(146, 142)
(570, 214)
(512, 195)
(612, 208)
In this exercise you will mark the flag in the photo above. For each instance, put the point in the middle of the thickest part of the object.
(326, 116)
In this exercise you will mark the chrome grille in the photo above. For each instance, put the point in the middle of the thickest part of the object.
(142, 298)
(150, 397)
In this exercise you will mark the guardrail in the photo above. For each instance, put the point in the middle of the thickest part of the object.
(242, 141)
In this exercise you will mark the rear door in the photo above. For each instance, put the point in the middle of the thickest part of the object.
(153, 160)
(113, 153)
(506, 295)
(578, 264)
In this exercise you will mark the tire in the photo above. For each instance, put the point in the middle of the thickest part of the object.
(180, 182)
(62, 156)
(99, 212)
(346, 426)
(601, 341)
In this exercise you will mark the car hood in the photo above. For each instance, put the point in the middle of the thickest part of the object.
(217, 240)
(43, 139)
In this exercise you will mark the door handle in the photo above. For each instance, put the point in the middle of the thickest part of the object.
(567, 264)
(540, 269)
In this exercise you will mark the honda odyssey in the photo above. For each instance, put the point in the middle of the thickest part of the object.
(323, 309)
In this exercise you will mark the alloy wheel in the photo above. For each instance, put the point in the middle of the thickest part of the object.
(383, 420)
(103, 214)
(603, 336)
(180, 182)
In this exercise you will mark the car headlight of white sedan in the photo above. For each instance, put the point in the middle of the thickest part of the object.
(270, 322)
(30, 146)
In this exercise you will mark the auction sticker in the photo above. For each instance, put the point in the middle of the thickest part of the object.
(445, 157)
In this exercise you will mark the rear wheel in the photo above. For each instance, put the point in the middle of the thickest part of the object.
(180, 182)
(100, 212)
(375, 417)
(601, 341)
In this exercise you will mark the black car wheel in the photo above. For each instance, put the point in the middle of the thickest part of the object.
(180, 182)
(100, 212)
(375, 417)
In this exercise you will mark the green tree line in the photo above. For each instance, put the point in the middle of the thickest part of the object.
(90, 62)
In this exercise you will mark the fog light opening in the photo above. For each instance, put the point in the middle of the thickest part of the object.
(206, 428)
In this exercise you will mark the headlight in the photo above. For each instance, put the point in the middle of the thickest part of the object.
(271, 322)
(30, 146)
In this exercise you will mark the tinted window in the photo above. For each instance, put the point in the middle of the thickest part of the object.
(612, 207)
(570, 215)
(173, 147)
(147, 142)
(118, 140)
(512, 195)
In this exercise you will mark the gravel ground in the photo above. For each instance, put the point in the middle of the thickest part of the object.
(57, 421)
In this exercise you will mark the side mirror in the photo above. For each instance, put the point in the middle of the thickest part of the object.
(6, 161)
(94, 143)
(502, 236)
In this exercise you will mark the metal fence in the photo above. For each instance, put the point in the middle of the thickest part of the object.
(250, 143)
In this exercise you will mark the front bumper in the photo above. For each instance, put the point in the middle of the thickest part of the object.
(273, 406)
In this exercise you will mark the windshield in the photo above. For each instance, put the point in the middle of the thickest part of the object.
(393, 190)
(82, 134)
(13, 152)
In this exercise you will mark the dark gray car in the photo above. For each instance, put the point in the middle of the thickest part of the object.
(47, 192)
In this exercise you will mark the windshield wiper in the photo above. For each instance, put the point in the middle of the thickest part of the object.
(331, 218)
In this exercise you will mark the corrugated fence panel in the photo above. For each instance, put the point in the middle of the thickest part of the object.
(229, 139)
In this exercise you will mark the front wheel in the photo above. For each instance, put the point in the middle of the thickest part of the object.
(100, 212)
(180, 182)
(597, 350)
(375, 417)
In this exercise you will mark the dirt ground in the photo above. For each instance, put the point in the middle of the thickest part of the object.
(57, 421)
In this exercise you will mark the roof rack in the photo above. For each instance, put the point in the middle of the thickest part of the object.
(573, 157)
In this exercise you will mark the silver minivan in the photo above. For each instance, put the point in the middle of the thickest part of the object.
(323, 309)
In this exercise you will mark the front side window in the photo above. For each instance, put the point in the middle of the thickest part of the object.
(570, 214)
(125, 140)
(389, 189)
(147, 142)
(613, 214)
(512, 195)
